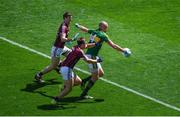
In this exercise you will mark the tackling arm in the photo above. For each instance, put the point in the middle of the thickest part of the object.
(90, 45)
(89, 60)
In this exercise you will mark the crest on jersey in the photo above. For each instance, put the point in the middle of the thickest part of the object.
(97, 39)
(94, 38)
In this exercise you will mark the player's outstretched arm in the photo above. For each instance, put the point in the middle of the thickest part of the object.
(89, 60)
(115, 46)
(84, 29)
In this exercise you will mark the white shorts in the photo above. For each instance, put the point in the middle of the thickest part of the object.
(95, 66)
(67, 73)
(57, 52)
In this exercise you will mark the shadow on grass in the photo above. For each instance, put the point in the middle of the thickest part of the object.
(74, 99)
(31, 87)
(54, 107)
(65, 103)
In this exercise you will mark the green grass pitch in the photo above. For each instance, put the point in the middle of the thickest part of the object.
(150, 28)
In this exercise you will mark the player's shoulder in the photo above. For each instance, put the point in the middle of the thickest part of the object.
(77, 48)
(64, 25)
(81, 51)
(91, 31)
(105, 34)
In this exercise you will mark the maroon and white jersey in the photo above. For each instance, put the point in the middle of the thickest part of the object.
(64, 28)
(73, 57)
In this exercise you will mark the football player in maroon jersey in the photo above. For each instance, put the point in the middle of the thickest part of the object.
(71, 79)
(59, 47)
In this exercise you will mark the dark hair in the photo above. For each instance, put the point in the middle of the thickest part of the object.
(80, 41)
(66, 14)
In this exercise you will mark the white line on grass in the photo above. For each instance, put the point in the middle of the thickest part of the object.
(105, 80)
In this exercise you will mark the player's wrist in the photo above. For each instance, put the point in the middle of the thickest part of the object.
(123, 50)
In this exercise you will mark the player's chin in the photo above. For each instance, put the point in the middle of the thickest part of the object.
(83, 46)
(86, 46)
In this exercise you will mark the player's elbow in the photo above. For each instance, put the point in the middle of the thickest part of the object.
(84, 30)
(64, 39)
(114, 46)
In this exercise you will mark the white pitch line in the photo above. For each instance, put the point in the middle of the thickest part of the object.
(105, 80)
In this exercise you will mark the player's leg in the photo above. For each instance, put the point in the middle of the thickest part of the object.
(67, 88)
(68, 82)
(53, 65)
(55, 57)
(90, 84)
(77, 80)
(92, 68)
(95, 69)
(65, 52)
(57, 69)
(100, 69)
(85, 80)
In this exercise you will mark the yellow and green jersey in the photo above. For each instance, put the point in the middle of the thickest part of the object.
(97, 36)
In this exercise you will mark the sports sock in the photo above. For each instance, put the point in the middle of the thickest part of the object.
(86, 79)
(40, 73)
(88, 87)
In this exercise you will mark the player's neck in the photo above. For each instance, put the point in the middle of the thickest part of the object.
(66, 22)
(102, 30)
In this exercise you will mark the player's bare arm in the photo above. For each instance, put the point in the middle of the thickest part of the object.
(64, 39)
(115, 46)
(89, 60)
(90, 45)
(82, 28)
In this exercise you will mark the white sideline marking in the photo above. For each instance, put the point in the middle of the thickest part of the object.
(105, 80)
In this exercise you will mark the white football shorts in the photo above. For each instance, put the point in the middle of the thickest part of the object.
(95, 66)
(57, 52)
(67, 73)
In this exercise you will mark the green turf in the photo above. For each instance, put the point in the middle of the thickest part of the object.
(22, 96)
(150, 28)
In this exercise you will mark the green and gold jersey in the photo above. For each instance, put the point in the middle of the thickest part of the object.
(97, 36)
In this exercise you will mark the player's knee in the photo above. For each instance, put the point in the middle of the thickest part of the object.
(94, 78)
(101, 74)
(77, 82)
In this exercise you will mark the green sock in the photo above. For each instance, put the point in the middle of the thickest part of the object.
(88, 87)
(86, 79)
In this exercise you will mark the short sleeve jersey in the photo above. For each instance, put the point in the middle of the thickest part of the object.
(64, 28)
(96, 36)
(73, 57)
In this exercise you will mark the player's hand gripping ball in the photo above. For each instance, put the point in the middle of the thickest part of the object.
(127, 52)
